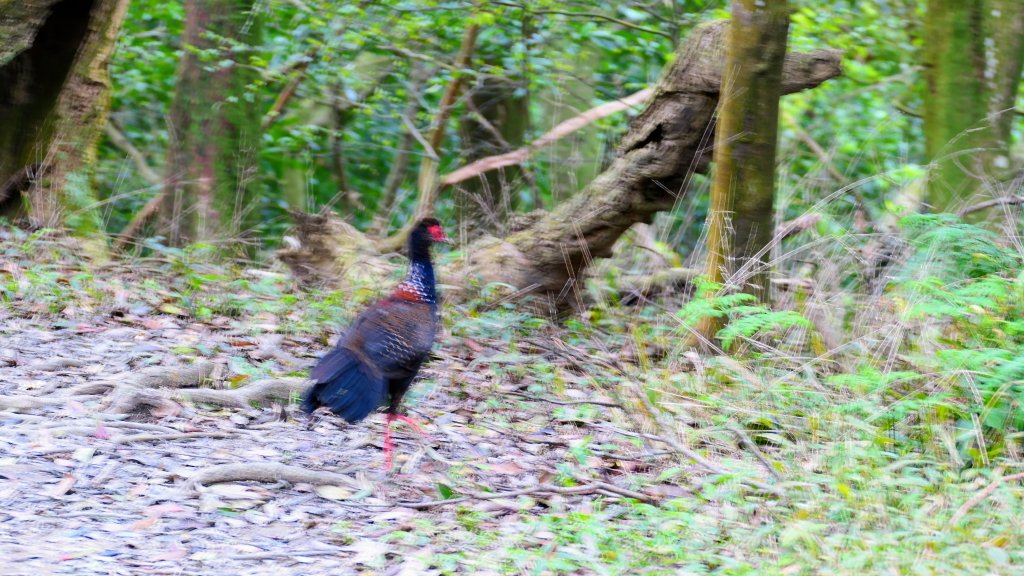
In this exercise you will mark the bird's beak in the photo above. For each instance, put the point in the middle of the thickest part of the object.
(439, 235)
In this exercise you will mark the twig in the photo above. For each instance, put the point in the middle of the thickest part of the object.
(592, 15)
(427, 182)
(139, 220)
(121, 142)
(826, 160)
(990, 203)
(298, 74)
(797, 225)
(982, 495)
(401, 161)
(428, 168)
(166, 437)
(560, 131)
(566, 402)
(693, 455)
(541, 489)
(290, 553)
(749, 445)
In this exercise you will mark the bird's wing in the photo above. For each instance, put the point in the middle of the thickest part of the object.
(395, 335)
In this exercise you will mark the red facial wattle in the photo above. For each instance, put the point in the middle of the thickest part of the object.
(438, 235)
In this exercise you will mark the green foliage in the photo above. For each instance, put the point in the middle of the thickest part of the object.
(355, 68)
(946, 247)
(742, 318)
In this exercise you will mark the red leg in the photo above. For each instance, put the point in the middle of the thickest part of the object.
(412, 423)
(388, 446)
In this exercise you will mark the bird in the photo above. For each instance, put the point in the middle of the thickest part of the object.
(376, 359)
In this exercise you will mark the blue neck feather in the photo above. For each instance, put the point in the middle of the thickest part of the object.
(421, 279)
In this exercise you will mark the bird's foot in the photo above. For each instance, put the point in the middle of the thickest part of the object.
(412, 423)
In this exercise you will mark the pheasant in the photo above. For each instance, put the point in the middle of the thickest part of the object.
(378, 357)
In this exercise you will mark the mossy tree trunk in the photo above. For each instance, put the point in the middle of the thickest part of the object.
(665, 144)
(215, 126)
(739, 227)
(54, 102)
(974, 50)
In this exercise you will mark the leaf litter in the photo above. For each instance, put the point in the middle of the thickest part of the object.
(87, 490)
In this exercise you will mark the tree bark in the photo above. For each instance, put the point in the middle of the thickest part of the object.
(665, 145)
(54, 102)
(974, 50)
(743, 190)
(211, 161)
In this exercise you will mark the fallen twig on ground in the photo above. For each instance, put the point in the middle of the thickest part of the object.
(168, 437)
(693, 455)
(982, 495)
(749, 444)
(539, 490)
(566, 402)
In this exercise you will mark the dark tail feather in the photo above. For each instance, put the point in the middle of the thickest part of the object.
(345, 385)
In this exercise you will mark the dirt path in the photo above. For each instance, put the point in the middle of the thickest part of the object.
(87, 491)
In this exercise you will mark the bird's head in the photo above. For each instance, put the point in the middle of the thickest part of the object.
(427, 232)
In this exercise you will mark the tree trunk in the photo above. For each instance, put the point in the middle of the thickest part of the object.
(665, 144)
(1005, 60)
(54, 101)
(211, 162)
(974, 50)
(742, 193)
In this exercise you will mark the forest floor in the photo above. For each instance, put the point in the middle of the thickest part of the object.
(87, 491)
(148, 425)
(101, 452)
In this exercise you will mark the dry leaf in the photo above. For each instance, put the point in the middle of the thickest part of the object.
(173, 552)
(507, 468)
(333, 492)
(143, 524)
(63, 486)
(235, 491)
(367, 551)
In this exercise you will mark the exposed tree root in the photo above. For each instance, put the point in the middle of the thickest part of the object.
(264, 472)
(22, 402)
(139, 390)
(127, 399)
(160, 389)
(259, 391)
(651, 284)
